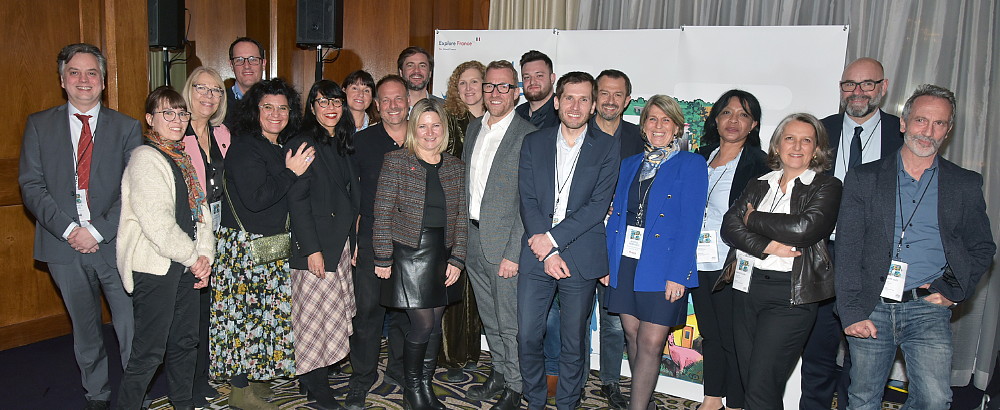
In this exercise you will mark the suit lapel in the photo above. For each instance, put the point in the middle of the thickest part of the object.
(63, 147)
(947, 193)
(886, 193)
(471, 138)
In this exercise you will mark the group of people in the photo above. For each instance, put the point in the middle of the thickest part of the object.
(245, 237)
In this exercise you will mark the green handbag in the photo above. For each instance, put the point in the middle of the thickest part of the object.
(265, 249)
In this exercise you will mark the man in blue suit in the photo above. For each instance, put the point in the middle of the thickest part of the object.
(70, 172)
(566, 178)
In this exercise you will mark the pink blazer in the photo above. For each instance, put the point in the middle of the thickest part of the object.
(222, 137)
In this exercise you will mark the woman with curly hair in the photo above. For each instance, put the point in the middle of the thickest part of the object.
(464, 102)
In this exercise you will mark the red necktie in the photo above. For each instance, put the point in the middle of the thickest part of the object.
(84, 152)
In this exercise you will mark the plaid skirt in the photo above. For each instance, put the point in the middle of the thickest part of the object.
(251, 327)
(322, 310)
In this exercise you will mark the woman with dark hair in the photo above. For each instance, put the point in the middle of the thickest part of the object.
(324, 206)
(732, 133)
(251, 333)
(360, 89)
(461, 325)
(421, 223)
(778, 265)
(659, 193)
(165, 252)
(464, 102)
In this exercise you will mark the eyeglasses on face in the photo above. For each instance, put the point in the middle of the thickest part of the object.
(866, 85)
(244, 60)
(171, 115)
(502, 88)
(271, 108)
(208, 91)
(325, 102)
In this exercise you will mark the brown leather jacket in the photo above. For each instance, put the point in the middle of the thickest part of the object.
(812, 218)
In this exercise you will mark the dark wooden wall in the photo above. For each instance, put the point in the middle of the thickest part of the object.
(374, 33)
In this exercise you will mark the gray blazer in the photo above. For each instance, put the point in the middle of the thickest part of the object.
(48, 187)
(500, 227)
(865, 232)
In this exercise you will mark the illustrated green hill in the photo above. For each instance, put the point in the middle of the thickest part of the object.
(695, 113)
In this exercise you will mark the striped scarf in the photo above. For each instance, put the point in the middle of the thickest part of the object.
(175, 150)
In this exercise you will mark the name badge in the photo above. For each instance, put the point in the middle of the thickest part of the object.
(744, 268)
(557, 217)
(82, 207)
(708, 246)
(216, 208)
(633, 242)
(895, 281)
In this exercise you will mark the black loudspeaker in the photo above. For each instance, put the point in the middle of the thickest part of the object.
(166, 23)
(320, 23)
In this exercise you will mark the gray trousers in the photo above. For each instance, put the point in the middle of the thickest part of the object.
(497, 300)
(80, 284)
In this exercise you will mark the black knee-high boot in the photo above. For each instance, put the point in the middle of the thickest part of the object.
(413, 369)
(430, 365)
(318, 387)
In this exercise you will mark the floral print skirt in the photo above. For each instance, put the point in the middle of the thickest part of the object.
(251, 327)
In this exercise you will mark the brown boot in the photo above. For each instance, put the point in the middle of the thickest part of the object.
(243, 398)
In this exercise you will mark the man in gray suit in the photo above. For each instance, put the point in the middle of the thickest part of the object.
(913, 239)
(72, 159)
(492, 152)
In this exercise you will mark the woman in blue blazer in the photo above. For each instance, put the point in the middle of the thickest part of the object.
(652, 240)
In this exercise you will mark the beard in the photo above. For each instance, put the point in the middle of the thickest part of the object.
(912, 142)
(532, 95)
(607, 117)
(870, 106)
(417, 86)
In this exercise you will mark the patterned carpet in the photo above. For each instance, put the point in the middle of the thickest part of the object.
(384, 396)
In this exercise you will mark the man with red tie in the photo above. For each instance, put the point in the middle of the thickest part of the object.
(72, 159)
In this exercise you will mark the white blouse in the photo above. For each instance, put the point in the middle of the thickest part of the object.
(778, 202)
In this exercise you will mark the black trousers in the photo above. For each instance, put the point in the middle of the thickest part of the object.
(714, 311)
(166, 321)
(368, 323)
(204, 319)
(821, 375)
(770, 332)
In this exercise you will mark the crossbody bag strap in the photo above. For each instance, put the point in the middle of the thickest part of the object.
(225, 190)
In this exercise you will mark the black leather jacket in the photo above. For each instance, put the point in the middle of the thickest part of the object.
(811, 220)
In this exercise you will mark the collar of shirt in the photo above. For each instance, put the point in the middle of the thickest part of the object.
(501, 125)
(236, 92)
(774, 177)
(849, 123)
(562, 145)
(618, 131)
(902, 169)
(76, 126)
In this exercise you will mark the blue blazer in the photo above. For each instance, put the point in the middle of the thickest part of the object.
(675, 209)
(580, 235)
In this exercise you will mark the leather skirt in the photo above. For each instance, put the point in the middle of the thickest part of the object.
(418, 274)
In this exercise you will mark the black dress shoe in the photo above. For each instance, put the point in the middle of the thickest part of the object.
(454, 375)
(98, 405)
(509, 400)
(613, 393)
(356, 399)
(488, 390)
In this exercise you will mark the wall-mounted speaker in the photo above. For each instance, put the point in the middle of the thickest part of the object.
(166, 23)
(320, 23)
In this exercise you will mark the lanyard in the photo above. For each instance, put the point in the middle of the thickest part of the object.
(642, 202)
(899, 195)
(561, 185)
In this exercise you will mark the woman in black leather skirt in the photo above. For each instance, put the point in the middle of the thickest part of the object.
(419, 238)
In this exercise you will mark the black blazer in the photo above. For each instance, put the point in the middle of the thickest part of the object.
(866, 229)
(324, 203)
(752, 164)
(257, 181)
(892, 139)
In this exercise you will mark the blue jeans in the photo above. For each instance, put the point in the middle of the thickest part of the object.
(923, 331)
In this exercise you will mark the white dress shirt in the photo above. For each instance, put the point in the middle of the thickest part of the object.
(487, 142)
(566, 161)
(778, 202)
(75, 129)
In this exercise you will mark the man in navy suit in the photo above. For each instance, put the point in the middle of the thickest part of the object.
(70, 172)
(567, 175)
(913, 240)
(859, 134)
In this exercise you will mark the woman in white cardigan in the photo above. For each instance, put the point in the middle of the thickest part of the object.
(165, 250)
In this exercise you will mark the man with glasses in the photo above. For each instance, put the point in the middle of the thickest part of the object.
(493, 145)
(246, 56)
(859, 134)
(71, 165)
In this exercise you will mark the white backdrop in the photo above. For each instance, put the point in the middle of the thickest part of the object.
(789, 69)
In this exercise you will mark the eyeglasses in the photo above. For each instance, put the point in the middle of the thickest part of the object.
(271, 108)
(502, 88)
(866, 85)
(170, 115)
(244, 60)
(325, 102)
(208, 91)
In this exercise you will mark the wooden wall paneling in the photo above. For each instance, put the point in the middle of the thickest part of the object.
(213, 27)
(258, 27)
(126, 46)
